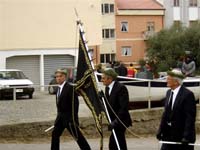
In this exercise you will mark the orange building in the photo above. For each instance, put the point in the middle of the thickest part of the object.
(135, 21)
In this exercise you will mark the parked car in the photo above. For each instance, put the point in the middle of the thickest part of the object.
(10, 78)
(71, 72)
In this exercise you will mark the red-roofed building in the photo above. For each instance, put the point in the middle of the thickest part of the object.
(135, 21)
(138, 4)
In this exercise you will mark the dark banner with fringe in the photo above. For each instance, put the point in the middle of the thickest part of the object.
(86, 85)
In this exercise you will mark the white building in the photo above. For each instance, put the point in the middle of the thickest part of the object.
(185, 12)
(108, 47)
(39, 36)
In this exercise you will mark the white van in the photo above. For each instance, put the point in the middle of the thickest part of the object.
(13, 78)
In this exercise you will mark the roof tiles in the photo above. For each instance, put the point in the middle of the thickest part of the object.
(138, 4)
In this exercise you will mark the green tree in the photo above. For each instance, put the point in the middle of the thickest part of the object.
(168, 45)
(191, 40)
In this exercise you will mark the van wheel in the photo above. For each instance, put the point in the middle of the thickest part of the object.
(2, 97)
(30, 96)
(51, 90)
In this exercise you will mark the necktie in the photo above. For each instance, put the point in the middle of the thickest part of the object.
(107, 92)
(58, 92)
(171, 99)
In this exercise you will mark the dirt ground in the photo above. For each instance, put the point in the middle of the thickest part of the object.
(35, 132)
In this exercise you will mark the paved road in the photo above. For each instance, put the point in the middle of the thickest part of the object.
(148, 143)
(41, 108)
(133, 144)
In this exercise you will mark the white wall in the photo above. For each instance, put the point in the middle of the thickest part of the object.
(33, 24)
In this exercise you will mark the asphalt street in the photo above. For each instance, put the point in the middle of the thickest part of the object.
(149, 143)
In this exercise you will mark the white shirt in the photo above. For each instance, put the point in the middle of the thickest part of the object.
(175, 91)
(111, 86)
(61, 87)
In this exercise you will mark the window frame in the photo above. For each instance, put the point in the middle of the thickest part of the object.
(124, 24)
(176, 3)
(193, 3)
(108, 33)
(112, 8)
(126, 49)
(193, 22)
(107, 57)
(107, 8)
(151, 26)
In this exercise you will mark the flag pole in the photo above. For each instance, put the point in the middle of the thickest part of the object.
(108, 116)
(178, 143)
(48, 129)
(106, 110)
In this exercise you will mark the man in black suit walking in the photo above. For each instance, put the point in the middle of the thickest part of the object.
(67, 113)
(117, 104)
(178, 119)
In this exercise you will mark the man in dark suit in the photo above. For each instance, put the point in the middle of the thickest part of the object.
(117, 104)
(67, 113)
(178, 119)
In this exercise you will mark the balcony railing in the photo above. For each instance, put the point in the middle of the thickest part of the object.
(147, 34)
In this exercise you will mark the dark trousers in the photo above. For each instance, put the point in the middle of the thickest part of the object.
(173, 146)
(74, 131)
(120, 134)
(176, 147)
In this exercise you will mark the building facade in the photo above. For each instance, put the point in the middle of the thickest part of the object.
(135, 21)
(39, 36)
(108, 46)
(185, 12)
(126, 25)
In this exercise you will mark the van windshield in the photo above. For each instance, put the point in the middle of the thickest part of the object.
(12, 75)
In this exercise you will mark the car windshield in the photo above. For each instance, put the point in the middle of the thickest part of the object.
(12, 75)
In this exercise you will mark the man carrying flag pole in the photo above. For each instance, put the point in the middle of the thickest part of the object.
(117, 99)
(87, 86)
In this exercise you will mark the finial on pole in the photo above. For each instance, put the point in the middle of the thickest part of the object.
(78, 20)
(76, 12)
